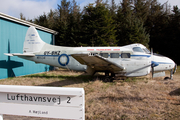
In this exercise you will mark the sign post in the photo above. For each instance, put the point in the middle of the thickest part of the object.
(1, 117)
(48, 102)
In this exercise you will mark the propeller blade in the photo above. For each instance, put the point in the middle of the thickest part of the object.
(152, 71)
(152, 66)
(153, 63)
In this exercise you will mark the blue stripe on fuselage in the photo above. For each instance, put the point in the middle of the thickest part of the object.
(108, 55)
(140, 55)
(51, 55)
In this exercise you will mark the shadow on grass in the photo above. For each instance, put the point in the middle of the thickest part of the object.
(129, 98)
(64, 80)
(175, 92)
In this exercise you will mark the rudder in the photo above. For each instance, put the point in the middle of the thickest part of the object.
(33, 42)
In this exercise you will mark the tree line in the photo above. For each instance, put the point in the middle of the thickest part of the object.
(105, 23)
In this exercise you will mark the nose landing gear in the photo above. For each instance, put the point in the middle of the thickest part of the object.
(171, 73)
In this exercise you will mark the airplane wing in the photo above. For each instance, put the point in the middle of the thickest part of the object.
(97, 62)
(19, 54)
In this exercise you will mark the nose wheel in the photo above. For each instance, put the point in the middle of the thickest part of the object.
(171, 73)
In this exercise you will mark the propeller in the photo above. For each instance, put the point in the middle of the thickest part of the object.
(153, 63)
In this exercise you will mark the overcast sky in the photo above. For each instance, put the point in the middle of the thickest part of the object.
(33, 8)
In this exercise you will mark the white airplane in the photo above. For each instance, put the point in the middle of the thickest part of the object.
(128, 61)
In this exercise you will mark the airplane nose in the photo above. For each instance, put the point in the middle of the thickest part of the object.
(171, 63)
(164, 63)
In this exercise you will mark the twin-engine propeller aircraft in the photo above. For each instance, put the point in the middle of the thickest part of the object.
(127, 61)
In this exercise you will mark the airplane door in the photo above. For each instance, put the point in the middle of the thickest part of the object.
(135, 66)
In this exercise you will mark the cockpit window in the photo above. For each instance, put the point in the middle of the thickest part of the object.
(137, 49)
(146, 50)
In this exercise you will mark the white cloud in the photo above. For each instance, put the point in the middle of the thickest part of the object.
(171, 2)
(29, 8)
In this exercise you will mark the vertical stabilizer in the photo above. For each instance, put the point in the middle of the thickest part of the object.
(33, 42)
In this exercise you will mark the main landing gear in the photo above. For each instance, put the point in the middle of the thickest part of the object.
(108, 78)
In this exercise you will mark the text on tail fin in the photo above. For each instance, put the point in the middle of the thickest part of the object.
(33, 42)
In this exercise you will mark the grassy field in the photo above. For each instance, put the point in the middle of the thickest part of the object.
(131, 99)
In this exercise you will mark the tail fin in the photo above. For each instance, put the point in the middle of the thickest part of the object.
(33, 42)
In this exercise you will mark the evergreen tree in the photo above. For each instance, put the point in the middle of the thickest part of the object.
(156, 23)
(113, 9)
(171, 36)
(97, 26)
(41, 20)
(130, 29)
(22, 16)
(141, 9)
(74, 28)
(51, 19)
(62, 23)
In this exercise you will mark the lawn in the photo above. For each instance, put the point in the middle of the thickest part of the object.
(130, 99)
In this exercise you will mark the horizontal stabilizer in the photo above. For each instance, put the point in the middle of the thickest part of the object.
(19, 54)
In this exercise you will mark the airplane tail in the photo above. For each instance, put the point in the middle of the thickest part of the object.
(33, 42)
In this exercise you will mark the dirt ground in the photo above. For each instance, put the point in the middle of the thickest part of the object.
(130, 99)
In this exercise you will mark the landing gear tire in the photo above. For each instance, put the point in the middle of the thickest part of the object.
(167, 78)
(108, 79)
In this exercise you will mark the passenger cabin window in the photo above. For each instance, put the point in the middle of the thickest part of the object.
(137, 49)
(94, 54)
(104, 55)
(125, 55)
(114, 55)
